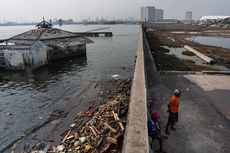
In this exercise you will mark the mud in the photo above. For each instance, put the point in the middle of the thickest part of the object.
(164, 36)
(170, 62)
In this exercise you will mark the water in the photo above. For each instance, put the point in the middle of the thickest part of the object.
(213, 41)
(31, 97)
(198, 61)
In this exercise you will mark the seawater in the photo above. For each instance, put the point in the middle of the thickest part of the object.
(30, 97)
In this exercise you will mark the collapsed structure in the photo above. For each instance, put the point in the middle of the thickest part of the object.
(37, 47)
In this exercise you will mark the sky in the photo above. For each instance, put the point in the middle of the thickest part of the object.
(34, 10)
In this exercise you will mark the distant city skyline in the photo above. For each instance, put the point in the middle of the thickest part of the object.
(188, 16)
(151, 14)
(34, 10)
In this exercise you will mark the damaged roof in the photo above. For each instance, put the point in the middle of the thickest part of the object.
(48, 35)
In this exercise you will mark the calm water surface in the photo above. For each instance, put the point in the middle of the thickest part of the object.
(30, 97)
(213, 41)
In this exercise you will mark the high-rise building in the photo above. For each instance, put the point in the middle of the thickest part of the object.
(188, 16)
(148, 14)
(159, 15)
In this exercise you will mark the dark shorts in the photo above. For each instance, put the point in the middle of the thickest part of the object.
(173, 118)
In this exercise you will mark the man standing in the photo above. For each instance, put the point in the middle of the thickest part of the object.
(173, 111)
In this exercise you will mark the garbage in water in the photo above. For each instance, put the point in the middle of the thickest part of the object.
(8, 113)
(100, 128)
(115, 75)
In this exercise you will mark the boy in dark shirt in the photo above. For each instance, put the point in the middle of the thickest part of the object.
(154, 130)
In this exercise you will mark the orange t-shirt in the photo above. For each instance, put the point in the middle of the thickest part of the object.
(174, 104)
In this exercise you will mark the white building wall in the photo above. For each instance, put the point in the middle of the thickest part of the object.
(14, 59)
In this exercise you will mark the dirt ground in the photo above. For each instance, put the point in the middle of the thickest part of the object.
(160, 35)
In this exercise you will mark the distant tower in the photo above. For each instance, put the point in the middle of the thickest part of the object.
(159, 14)
(148, 14)
(188, 16)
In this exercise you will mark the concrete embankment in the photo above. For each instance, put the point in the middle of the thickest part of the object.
(136, 137)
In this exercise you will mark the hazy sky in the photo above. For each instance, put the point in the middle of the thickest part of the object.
(78, 9)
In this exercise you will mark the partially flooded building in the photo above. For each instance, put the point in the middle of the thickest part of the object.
(37, 47)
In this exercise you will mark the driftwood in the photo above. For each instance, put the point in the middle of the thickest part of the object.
(66, 137)
(109, 127)
(118, 119)
(102, 129)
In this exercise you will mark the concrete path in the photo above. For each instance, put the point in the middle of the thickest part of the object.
(217, 87)
(202, 127)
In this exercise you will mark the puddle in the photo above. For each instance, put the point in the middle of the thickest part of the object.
(178, 53)
(212, 41)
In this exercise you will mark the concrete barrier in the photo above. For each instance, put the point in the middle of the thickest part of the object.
(200, 55)
(136, 136)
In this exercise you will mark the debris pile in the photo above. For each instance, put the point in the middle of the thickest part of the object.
(101, 128)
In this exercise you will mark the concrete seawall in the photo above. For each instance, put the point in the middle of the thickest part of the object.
(136, 136)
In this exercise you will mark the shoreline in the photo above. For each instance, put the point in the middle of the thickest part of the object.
(51, 133)
(159, 37)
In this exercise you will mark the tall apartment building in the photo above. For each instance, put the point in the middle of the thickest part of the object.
(188, 16)
(148, 14)
(159, 15)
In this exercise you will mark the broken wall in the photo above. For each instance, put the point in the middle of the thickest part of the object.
(39, 54)
(14, 59)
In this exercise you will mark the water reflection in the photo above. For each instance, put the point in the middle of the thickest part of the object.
(49, 73)
(30, 97)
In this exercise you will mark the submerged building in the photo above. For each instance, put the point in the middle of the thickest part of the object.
(37, 47)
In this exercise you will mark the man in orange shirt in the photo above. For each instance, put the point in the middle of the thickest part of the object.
(173, 111)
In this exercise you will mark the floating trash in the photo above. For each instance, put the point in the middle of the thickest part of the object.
(115, 76)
